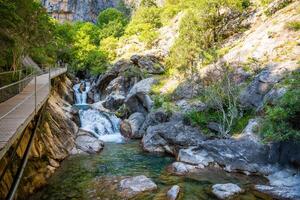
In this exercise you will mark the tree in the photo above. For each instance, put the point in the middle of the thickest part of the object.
(222, 95)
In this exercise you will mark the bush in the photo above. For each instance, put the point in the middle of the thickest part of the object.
(111, 15)
(144, 24)
(281, 122)
(109, 45)
(293, 25)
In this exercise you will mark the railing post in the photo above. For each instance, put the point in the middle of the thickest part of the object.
(19, 80)
(49, 79)
(35, 93)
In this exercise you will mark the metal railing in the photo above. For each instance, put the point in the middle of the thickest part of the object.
(37, 82)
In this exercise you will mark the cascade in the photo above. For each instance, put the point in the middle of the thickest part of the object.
(81, 91)
(103, 125)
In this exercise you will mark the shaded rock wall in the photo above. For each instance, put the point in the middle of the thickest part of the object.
(53, 142)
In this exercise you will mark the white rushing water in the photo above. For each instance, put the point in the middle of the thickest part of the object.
(81, 96)
(104, 126)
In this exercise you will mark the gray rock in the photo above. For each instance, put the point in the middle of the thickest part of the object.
(114, 101)
(130, 127)
(86, 142)
(195, 158)
(133, 186)
(180, 168)
(186, 106)
(284, 184)
(253, 95)
(148, 63)
(213, 126)
(236, 155)
(155, 117)
(188, 90)
(138, 99)
(250, 129)
(169, 136)
(224, 191)
(173, 192)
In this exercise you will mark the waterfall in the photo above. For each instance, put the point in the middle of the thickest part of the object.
(103, 125)
(81, 95)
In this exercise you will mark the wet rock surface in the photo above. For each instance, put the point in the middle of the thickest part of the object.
(225, 191)
(173, 192)
(87, 143)
(133, 186)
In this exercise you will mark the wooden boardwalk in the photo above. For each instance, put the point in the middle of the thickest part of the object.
(18, 111)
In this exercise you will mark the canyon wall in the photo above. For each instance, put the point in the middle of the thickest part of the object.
(53, 141)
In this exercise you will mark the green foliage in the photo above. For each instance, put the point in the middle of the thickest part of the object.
(110, 15)
(111, 23)
(202, 29)
(24, 27)
(281, 121)
(293, 25)
(148, 3)
(144, 24)
(109, 45)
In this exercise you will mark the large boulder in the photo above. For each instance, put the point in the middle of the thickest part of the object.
(87, 143)
(103, 81)
(170, 136)
(130, 127)
(225, 191)
(283, 184)
(114, 101)
(155, 117)
(236, 155)
(256, 94)
(148, 63)
(133, 186)
(138, 99)
(195, 158)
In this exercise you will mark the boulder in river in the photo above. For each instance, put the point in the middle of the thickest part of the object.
(180, 168)
(130, 127)
(173, 192)
(133, 186)
(155, 117)
(167, 137)
(87, 143)
(225, 191)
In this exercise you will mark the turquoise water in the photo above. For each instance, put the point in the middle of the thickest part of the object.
(96, 177)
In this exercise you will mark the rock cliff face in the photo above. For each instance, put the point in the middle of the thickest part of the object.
(53, 141)
(74, 10)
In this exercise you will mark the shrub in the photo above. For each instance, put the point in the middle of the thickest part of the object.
(293, 25)
(144, 24)
(109, 45)
(281, 121)
(110, 15)
(222, 94)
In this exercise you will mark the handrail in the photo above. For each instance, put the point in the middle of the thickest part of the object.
(28, 97)
(49, 71)
(8, 72)
(7, 86)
